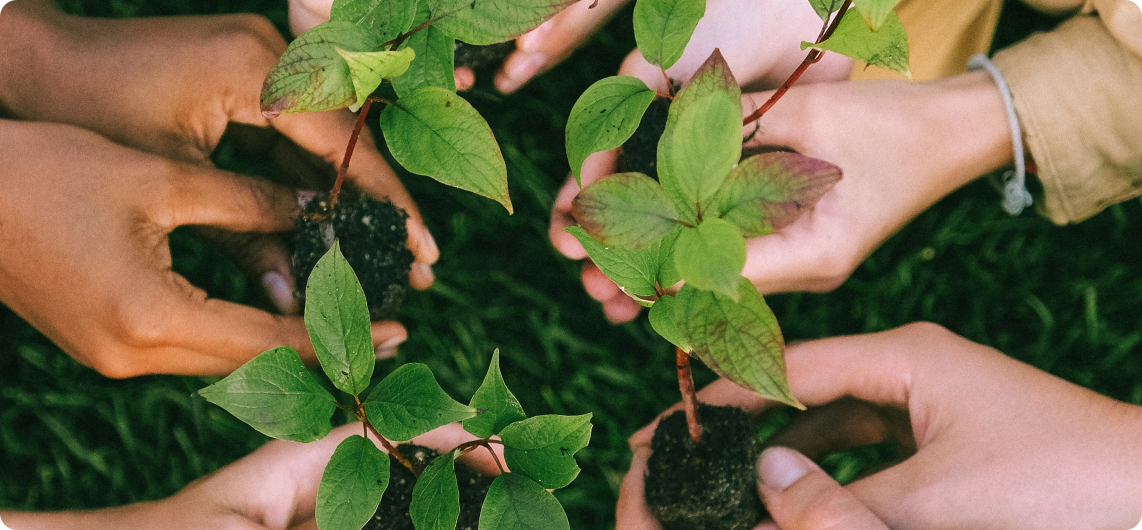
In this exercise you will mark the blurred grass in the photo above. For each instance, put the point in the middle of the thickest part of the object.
(1063, 299)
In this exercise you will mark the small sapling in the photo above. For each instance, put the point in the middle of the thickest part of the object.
(275, 394)
(681, 212)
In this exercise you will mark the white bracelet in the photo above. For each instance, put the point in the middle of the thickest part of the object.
(1015, 194)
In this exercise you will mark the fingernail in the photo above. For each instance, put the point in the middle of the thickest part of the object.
(280, 293)
(388, 348)
(520, 69)
(779, 467)
(533, 38)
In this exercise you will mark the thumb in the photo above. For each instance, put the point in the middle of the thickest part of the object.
(800, 496)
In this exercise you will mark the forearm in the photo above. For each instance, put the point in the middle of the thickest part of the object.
(136, 516)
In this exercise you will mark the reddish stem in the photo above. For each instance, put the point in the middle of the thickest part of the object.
(689, 396)
(485, 443)
(384, 441)
(812, 57)
(344, 169)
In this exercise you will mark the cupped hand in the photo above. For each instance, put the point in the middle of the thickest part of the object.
(901, 147)
(999, 444)
(171, 86)
(87, 261)
(274, 488)
(761, 41)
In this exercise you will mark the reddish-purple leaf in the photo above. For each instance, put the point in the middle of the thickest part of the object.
(768, 192)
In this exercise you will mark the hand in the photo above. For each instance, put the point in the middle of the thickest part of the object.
(761, 42)
(902, 147)
(86, 223)
(171, 86)
(999, 443)
(274, 488)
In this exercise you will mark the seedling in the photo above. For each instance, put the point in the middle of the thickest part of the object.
(690, 223)
(275, 394)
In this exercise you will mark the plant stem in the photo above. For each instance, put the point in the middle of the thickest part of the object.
(689, 396)
(812, 57)
(384, 441)
(485, 443)
(344, 169)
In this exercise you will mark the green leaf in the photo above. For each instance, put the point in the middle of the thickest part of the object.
(352, 484)
(662, 320)
(703, 137)
(876, 12)
(435, 58)
(385, 19)
(337, 318)
(739, 340)
(662, 28)
(635, 271)
(515, 502)
(627, 210)
(605, 116)
(887, 47)
(711, 256)
(491, 21)
(276, 395)
(498, 405)
(368, 69)
(434, 132)
(311, 75)
(824, 8)
(409, 402)
(768, 192)
(436, 496)
(543, 448)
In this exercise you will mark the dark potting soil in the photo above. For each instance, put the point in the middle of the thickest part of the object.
(393, 514)
(707, 486)
(372, 235)
(640, 152)
(482, 59)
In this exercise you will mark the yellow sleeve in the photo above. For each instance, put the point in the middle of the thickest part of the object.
(1078, 95)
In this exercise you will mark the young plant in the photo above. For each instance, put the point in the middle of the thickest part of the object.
(275, 394)
(690, 225)
(410, 44)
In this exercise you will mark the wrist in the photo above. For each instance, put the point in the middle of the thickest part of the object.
(975, 118)
(27, 32)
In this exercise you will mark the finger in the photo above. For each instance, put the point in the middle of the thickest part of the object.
(597, 285)
(843, 425)
(621, 309)
(264, 257)
(450, 436)
(547, 45)
(464, 78)
(561, 218)
(209, 197)
(631, 512)
(800, 496)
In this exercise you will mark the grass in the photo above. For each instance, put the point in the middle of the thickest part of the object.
(1063, 299)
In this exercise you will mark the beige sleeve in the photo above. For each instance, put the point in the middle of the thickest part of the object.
(1078, 95)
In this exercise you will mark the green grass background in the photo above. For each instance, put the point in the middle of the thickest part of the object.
(1066, 300)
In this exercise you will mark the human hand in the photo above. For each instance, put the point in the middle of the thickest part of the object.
(761, 43)
(999, 443)
(171, 86)
(902, 147)
(274, 488)
(85, 224)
